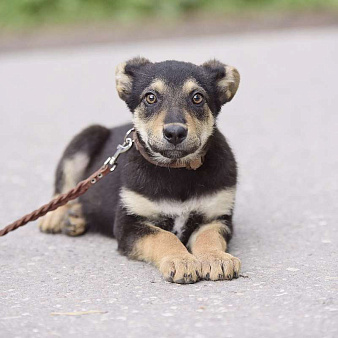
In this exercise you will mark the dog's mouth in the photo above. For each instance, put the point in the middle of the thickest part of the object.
(173, 153)
(163, 151)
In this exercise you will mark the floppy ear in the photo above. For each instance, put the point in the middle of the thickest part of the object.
(124, 75)
(226, 79)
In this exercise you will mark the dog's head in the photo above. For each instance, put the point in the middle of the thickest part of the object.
(175, 104)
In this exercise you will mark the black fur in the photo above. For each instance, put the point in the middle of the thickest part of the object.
(101, 205)
(175, 73)
(89, 141)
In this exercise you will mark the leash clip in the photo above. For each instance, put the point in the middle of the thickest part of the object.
(121, 148)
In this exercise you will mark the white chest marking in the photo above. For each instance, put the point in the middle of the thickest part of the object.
(179, 224)
(211, 206)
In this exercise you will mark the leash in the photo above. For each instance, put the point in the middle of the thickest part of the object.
(108, 167)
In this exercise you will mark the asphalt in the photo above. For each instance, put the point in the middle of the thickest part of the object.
(283, 128)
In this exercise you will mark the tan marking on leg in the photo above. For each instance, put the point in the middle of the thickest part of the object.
(67, 219)
(75, 224)
(73, 169)
(208, 246)
(208, 237)
(169, 255)
(54, 221)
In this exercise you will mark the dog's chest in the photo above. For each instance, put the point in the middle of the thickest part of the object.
(179, 224)
(187, 214)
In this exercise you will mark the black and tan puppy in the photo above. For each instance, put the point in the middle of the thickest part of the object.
(170, 202)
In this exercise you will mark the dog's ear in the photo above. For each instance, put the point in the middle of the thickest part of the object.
(124, 74)
(226, 79)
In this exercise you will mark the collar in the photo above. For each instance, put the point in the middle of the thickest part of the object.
(192, 165)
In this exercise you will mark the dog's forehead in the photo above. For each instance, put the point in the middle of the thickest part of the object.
(175, 73)
(187, 85)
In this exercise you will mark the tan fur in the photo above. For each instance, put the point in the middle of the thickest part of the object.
(208, 246)
(194, 126)
(169, 255)
(156, 124)
(159, 86)
(230, 83)
(139, 122)
(208, 238)
(200, 129)
(67, 219)
(123, 81)
(54, 221)
(191, 85)
(151, 129)
(73, 169)
(75, 223)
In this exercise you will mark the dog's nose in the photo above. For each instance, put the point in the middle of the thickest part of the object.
(174, 133)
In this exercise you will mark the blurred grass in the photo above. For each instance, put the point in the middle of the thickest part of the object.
(21, 14)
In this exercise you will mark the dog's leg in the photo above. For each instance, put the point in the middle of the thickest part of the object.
(75, 223)
(53, 222)
(139, 239)
(67, 219)
(70, 171)
(208, 244)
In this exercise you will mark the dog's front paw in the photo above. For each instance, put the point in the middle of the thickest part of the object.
(181, 268)
(219, 265)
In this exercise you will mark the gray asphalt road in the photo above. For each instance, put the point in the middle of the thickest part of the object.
(283, 128)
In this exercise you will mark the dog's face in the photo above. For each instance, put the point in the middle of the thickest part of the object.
(175, 104)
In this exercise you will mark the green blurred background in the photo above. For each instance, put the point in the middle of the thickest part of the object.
(22, 14)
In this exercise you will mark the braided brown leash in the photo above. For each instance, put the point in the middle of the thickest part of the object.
(59, 201)
(108, 167)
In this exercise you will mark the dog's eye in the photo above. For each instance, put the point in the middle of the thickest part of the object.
(197, 98)
(151, 98)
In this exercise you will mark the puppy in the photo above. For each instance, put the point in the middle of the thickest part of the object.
(170, 201)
